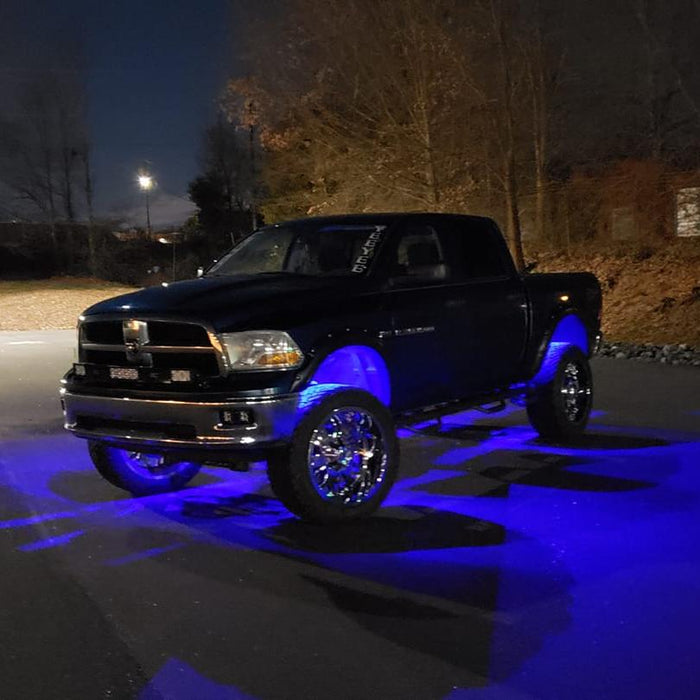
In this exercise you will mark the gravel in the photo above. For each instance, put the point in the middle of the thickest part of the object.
(665, 354)
(51, 304)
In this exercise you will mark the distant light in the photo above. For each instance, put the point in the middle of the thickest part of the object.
(126, 307)
(145, 182)
(163, 240)
(564, 297)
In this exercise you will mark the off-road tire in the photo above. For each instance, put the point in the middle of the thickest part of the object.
(560, 405)
(116, 466)
(290, 471)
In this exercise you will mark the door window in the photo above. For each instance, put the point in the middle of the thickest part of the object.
(476, 251)
(420, 253)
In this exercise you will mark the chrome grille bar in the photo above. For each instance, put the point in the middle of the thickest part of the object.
(183, 349)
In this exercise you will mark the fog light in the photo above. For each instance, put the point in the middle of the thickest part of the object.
(237, 417)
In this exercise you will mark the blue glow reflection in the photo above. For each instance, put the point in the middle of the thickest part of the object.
(357, 366)
(501, 566)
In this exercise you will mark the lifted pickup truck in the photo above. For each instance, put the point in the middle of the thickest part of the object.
(310, 339)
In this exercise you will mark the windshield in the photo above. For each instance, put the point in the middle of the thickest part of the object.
(337, 249)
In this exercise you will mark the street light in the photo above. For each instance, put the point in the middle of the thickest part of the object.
(146, 184)
(173, 243)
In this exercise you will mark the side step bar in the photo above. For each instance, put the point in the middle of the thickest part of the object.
(493, 407)
(485, 404)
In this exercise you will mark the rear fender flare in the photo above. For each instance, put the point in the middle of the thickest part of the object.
(566, 329)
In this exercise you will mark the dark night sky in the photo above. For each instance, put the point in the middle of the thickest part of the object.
(154, 70)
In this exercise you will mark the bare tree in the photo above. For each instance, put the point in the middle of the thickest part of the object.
(544, 62)
(446, 104)
(364, 136)
(84, 156)
(501, 12)
(43, 145)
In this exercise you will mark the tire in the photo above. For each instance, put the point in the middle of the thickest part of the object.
(563, 396)
(140, 473)
(322, 476)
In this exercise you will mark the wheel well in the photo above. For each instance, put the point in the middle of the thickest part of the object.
(572, 331)
(569, 331)
(351, 366)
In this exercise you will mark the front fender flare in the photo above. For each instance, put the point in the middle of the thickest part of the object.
(356, 365)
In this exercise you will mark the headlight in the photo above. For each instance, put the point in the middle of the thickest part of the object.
(256, 350)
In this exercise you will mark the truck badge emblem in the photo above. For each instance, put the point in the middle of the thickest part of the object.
(135, 338)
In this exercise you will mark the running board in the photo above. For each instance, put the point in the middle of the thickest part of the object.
(493, 407)
(485, 404)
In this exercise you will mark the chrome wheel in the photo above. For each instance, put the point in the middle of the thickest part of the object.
(576, 392)
(347, 456)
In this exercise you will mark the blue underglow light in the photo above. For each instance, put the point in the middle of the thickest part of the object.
(571, 330)
(315, 393)
(356, 366)
(550, 363)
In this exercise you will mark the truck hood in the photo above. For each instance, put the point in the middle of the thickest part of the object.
(237, 302)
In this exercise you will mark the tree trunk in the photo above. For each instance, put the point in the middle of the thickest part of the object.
(514, 229)
(92, 235)
(48, 175)
(540, 148)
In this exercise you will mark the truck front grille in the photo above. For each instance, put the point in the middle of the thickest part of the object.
(161, 345)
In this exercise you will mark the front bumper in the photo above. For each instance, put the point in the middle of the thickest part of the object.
(179, 424)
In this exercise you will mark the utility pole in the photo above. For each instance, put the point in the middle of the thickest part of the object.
(146, 184)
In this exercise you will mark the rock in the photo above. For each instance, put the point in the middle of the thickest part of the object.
(666, 354)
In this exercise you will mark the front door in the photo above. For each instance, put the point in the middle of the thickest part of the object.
(458, 311)
(418, 301)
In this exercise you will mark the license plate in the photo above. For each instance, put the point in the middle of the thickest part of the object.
(123, 373)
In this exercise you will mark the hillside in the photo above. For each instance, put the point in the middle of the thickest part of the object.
(650, 295)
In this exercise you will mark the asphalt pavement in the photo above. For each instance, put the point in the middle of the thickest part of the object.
(500, 567)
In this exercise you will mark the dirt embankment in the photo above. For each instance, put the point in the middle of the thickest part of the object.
(650, 295)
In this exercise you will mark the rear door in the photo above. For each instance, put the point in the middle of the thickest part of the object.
(458, 311)
(489, 324)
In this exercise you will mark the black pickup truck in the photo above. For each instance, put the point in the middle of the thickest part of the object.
(307, 342)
